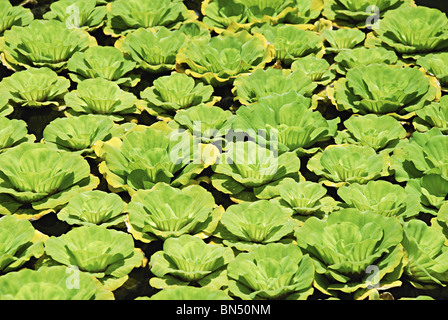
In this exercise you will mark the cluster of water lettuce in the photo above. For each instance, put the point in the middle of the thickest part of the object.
(275, 149)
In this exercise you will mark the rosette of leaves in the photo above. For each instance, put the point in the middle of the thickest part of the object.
(36, 179)
(431, 190)
(51, 283)
(434, 115)
(43, 43)
(248, 169)
(207, 124)
(102, 62)
(272, 271)
(101, 97)
(356, 13)
(304, 198)
(347, 244)
(78, 134)
(94, 207)
(219, 60)
(382, 133)
(146, 156)
(13, 16)
(153, 50)
(384, 89)
(362, 56)
(381, 197)
(338, 165)
(189, 293)
(427, 254)
(261, 83)
(304, 12)
(13, 132)
(106, 254)
(291, 42)
(19, 243)
(423, 154)
(79, 14)
(342, 39)
(318, 70)
(436, 64)
(220, 15)
(171, 93)
(164, 212)
(268, 11)
(289, 119)
(35, 88)
(413, 31)
(125, 16)
(188, 260)
(195, 29)
(247, 225)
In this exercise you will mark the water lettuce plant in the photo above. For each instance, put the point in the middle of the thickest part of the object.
(219, 60)
(384, 89)
(78, 134)
(13, 132)
(304, 198)
(346, 244)
(102, 97)
(144, 157)
(272, 271)
(428, 258)
(338, 165)
(103, 62)
(37, 178)
(51, 283)
(362, 56)
(13, 16)
(247, 225)
(342, 39)
(125, 16)
(165, 211)
(381, 133)
(434, 115)
(79, 14)
(431, 190)
(207, 124)
(248, 169)
(423, 154)
(174, 92)
(188, 260)
(220, 15)
(288, 118)
(94, 207)
(356, 13)
(35, 88)
(250, 88)
(106, 254)
(436, 64)
(154, 50)
(318, 70)
(43, 43)
(290, 42)
(413, 31)
(19, 243)
(381, 197)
